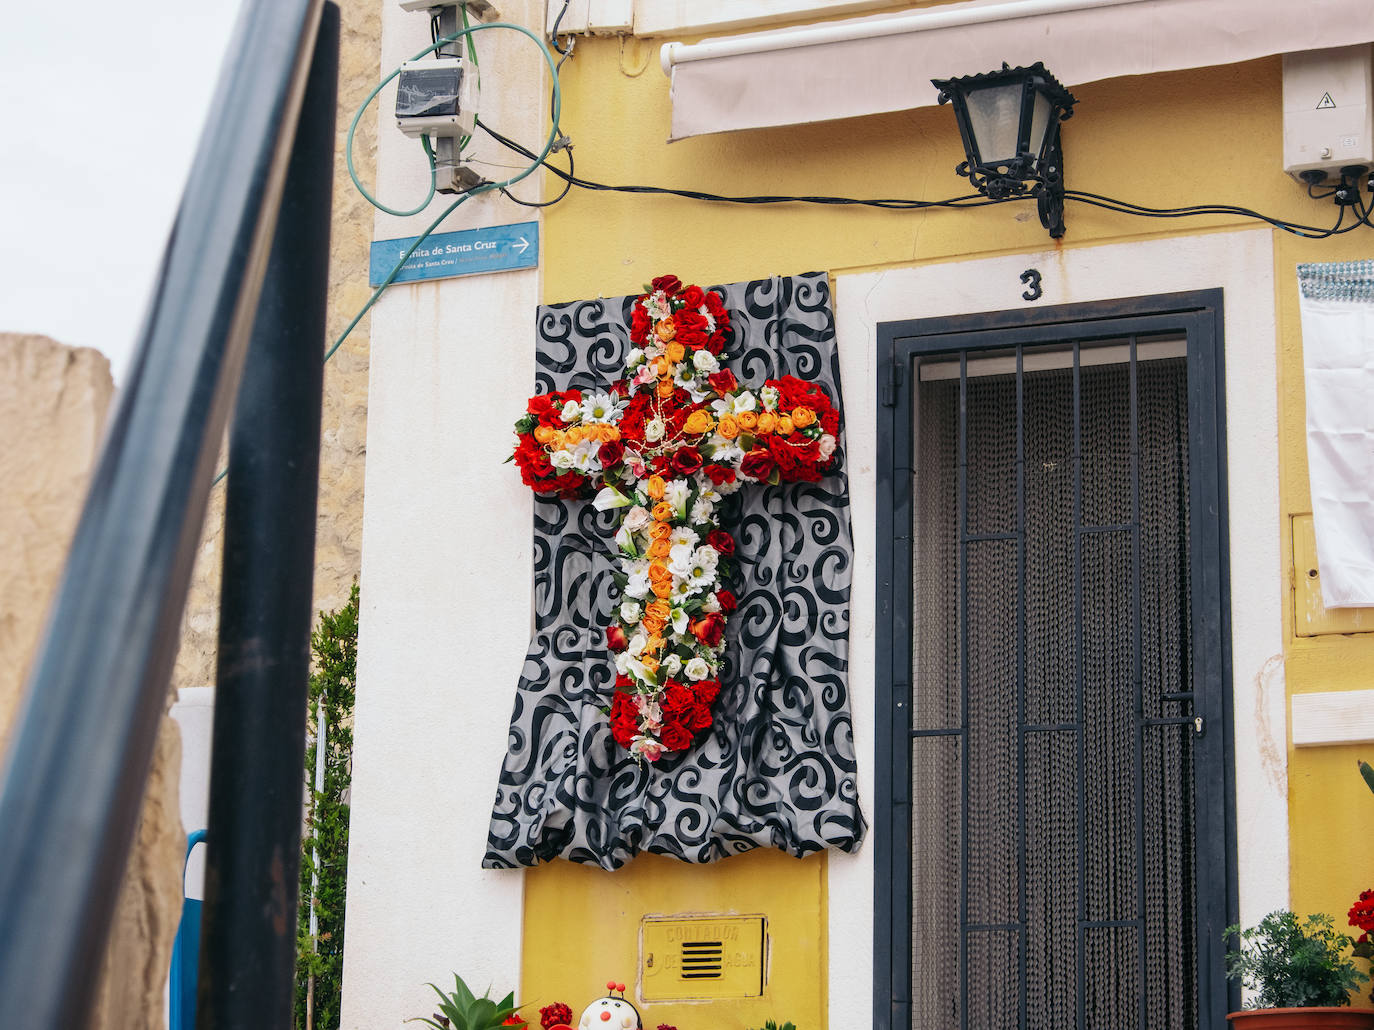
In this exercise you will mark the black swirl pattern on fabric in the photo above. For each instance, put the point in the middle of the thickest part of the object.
(777, 769)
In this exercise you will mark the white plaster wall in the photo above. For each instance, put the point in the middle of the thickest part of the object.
(1241, 263)
(445, 578)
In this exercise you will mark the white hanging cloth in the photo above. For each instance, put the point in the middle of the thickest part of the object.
(1337, 302)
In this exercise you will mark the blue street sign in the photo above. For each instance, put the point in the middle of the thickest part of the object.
(497, 248)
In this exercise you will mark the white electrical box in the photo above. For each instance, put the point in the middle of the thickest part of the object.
(1328, 110)
(437, 98)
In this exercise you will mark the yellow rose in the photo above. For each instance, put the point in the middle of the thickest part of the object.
(675, 352)
(728, 427)
(649, 662)
(609, 433)
(663, 512)
(698, 422)
(655, 487)
(785, 426)
(575, 435)
(768, 423)
(559, 441)
(666, 329)
(654, 644)
(803, 417)
(544, 433)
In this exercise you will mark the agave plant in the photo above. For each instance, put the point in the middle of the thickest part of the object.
(460, 1009)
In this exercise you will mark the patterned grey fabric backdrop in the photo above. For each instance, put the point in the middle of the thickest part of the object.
(777, 768)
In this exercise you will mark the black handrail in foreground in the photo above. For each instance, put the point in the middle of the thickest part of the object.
(74, 777)
(252, 872)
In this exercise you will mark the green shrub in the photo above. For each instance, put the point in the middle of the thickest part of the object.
(1289, 963)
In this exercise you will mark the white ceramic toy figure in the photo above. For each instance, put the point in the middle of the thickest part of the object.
(610, 1012)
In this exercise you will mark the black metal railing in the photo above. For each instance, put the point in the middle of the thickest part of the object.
(242, 286)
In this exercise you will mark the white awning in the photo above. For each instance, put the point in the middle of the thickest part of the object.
(881, 63)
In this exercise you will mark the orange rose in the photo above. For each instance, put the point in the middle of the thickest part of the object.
(575, 435)
(654, 644)
(803, 417)
(658, 573)
(659, 548)
(660, 531)
(728, 427)
(785, 426)
(544, 433)
(663, 512)
(605, 432)
(748, 420)
(559, 440)
(665, 388)
(666, 329)
(698, 422)
(675, 352)
(768, 423)
(655, 488)
(654, 625)
(662, 589)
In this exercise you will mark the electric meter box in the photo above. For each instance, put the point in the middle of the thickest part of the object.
(1328, 110)
(437, 98)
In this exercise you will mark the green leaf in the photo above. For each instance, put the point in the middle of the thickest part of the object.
(1368, 773)
(481, 1014)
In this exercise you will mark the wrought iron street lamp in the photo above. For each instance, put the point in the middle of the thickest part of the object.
(1009, 122)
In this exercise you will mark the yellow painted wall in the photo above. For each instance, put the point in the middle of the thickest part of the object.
(1206, 136)
(582, 929)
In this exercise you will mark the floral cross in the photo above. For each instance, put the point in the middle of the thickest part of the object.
(664, 445)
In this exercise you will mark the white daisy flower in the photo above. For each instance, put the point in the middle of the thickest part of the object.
(697, 669)
(683, 535)
(600, 407)
(701, 510)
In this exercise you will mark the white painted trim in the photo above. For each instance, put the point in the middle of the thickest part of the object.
(658, 17)
(1241, 263)
(1339, 717)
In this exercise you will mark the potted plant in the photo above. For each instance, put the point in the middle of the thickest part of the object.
(460, 1009)
(1299, 973)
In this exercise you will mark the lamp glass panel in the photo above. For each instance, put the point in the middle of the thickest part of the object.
(1040, 121)
(994, 116)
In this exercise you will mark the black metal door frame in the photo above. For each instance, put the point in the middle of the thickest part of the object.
(1198, 315)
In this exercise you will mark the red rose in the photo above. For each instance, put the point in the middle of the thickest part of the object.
(675, 737)
(615, 638)
(667, 283)
(540, 404)
(624, 718)
(721, 541)
(676, 697)
(698, 718)
(639, 324)
(691, 328)
(611, 453)
(720, 474)
(726, 600)
(709, 628)
(723, 382)
(706, 691)
(686, 461)
(758, 464)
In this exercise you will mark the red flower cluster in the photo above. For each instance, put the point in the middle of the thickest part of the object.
(693, 331)
(1362, 915)
(557, 1014)
(544, 418)
(797, 456)
(684, 711)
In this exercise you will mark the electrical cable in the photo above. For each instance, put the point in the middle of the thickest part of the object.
(1311, 232)
(535, 162)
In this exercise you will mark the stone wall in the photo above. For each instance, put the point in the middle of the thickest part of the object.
(53, 405)
(344, 427)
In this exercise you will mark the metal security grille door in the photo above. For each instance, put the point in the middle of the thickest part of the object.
(1057, 831)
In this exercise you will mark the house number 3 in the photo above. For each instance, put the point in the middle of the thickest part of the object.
(1031, 277)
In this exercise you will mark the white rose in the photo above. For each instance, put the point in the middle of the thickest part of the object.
(705, 361)
(622, 663)
(697, 669)
(630, 612)
(638, 585)
(826, 446)
(653, 430)
(636, 518)
(572, 411)
(711, 604)
(562, 459)
(635, 358)
(671, 665)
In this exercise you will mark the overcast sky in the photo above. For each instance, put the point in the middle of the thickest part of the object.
(100, 108)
